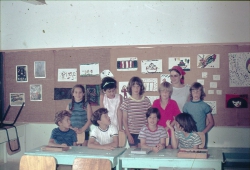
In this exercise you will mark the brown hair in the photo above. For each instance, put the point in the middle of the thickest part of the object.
(59, 116)
(166, 86)
(97, 115)
(196, 86)
(133, 81)
(73, 99)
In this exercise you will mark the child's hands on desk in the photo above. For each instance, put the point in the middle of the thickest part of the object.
(107, 147)
(157, 148)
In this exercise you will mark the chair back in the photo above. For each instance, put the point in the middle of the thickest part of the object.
(91, 164)
(167, 139)
(30, 162)
(80, 138)
(203, 139)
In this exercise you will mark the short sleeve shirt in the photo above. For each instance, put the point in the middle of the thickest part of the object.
(60, 137)
(104, 136)
(188, 142)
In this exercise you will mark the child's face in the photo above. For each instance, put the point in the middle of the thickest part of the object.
(196, 93)
(178, 126)
(165, 94)
(110, 93)
(136, 89)
(152, 119)
(65, 123)
(78, 94)
(175, 77)
(105, 120)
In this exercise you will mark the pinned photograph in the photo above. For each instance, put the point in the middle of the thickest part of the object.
(183, 62)
(40, 69)
(208, 60)
(91, 69)
(151, 66)
(17, 99)
(67, 74)
(22, 73)
(127, 64)
(236, 101)
(35, 92)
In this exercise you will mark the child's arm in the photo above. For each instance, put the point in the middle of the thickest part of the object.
(119, 115)
(74, 144)
(174, 141)
(52, 143)
(210, 123)
(101, 100)
(125, 124)
(88, 123)
(67, 107)
(95, 145)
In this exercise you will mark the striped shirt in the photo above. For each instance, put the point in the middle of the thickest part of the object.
(189, 142)
(136, 110)
(152, 137)
(104, 136)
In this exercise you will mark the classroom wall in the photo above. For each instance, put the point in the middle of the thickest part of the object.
(63, 24)
(43, 111)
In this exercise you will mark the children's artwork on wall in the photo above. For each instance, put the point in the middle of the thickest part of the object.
(208, 60)
(151, 66)
(212, 104)
(152, 98)
(22, 73)
(67, 74)
(35, 92)
(239, 69)
(62, 93)
(123, 89)
(151, 84)
(40, 69)
(91, 69)
(201, 81)
(183, 62)
(165, 77)
(236, 101)
(127, 64)
(106, 73)
(93, 94)
(17, 99)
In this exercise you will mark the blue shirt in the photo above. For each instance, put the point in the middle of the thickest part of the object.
(60, 137)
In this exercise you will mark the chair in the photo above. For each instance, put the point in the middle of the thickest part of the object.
(167, 140)
(203, 139)
(80, 138)
(30, 162)
(122, 139)
(91, 164)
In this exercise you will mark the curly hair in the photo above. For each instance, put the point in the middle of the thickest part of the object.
(138, 81)
(59, 116)
(97, 115)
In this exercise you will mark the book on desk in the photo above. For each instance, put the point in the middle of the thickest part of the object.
(142, 151)
(55, 148)
(193, 153)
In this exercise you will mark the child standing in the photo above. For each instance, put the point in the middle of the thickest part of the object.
(134, 110)
(185, 135)
(153, 136)
(105, 135)
(200, 110)
(111, 101)
(63, 135)
(80, 112)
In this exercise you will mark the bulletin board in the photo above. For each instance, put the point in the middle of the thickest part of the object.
(215, 76)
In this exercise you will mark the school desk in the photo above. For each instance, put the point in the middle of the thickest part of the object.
(67, 157)
(168, 158)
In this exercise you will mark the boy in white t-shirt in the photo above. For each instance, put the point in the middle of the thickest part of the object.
(105, 135)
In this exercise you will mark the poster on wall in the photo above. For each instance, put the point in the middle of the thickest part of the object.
(35, 92)
(106, 73)
(151, 66)
(212, 104)
(150, 84)
(183, 62)
(40, 69)
(17, 99)
(208, 61)
(93, 94)
(236, 101)
(127, 64)
(239, 69)
(62, 93)
(123, 89)
(22, 73)
(91, 69)
(67, 74)
(165, 78)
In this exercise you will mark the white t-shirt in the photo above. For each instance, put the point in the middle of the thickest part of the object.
(104, 136)
(181, 95)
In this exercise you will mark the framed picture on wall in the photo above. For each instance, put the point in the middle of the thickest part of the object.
(22, 73)
(35, 92)
(40, 69)
(17, 99)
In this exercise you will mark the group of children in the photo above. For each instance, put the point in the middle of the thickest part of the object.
(145, 125)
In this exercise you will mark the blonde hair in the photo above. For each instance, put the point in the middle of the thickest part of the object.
(166, 86)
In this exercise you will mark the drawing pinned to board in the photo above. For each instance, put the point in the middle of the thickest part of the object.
(127, 64)
(62, 93)
(152, 98)
(40, 69)
(17, 99)
(67, 74)
(165, 77)
(22, 73)
(239, 69)
(91, 69)
(106, 73)
(151, 66)
(150, 84)
(212, 104)
(208, 60)
(123, 89)
(236, 101)
(93, 94)
(35, 92)
(183, 62)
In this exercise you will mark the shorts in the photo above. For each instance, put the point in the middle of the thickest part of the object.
(136, 140)
(87, 135)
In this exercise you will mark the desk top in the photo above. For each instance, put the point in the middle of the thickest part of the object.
(67, 157)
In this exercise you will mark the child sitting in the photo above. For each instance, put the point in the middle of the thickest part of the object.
(185, 135)
(105, 135)
(153, 136)
(63, 135)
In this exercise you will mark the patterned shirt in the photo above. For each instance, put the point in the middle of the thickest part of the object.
(104, 136)
(136, 110)
(60, 137)
(152, 137)
(189, 142)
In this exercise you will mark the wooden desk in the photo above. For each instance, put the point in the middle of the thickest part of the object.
(67, 157)
(168, 158)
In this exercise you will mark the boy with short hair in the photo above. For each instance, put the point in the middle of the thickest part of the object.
(63, 135)
(105, 135)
